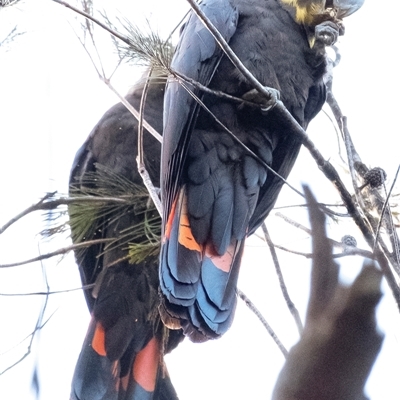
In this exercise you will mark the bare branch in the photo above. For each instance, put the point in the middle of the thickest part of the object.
(348, 252)
(365, 221)
(258, 314)
(134, 112)
(47, 293)
(38, 326)
(149, 186)
(292, 308)
(47, 202)
(58, 252)
(34, 207)
(140, 157)
(96, 21)
(11, 36)
(383, 212)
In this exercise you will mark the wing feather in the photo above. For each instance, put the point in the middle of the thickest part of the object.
(197, 57)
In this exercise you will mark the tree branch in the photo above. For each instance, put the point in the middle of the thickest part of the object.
(58, 252)
(267, 326)
(292, 308)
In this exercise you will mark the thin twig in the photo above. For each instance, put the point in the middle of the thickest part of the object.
(292, 308)
(291, 251)
(217, 93)
(293, 223)
(141, 118)
(11, 36)
(96, 21)
(101, 75)
(267, 326)
(335, 127)
(140, 157)
(38, 326)
(85, 287)
(58, 252)
(48, 203)
(28, 351)
(349, 251)
(134, 112)
(149, 186)
(324, 207)
(384, 207)
(394, 239)
(352, 157)
(34, 207)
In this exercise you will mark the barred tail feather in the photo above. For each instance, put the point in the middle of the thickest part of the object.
(198, 285)
(135, 376)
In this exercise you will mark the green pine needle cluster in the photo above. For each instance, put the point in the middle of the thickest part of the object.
(103, 199)
(144, 48)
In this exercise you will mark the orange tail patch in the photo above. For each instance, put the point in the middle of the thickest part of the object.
(224, 262)
(146, 365)
(185, 238)
(98, 342)
(171, 215)
(185, 232)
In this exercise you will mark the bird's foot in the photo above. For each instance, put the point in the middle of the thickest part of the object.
(266, 99)
(328, 32)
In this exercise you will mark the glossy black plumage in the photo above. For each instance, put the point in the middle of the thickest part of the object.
(215, 193)
(125, 331)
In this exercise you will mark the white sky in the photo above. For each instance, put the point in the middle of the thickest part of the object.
(50, 98)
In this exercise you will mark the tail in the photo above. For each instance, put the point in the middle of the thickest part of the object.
(198, 284)
(122, 355)
(135, 376)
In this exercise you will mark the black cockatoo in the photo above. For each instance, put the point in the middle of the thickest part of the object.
(122, 355)
(215, 192)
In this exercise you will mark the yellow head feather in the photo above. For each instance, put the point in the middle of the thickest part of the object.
(307, 11)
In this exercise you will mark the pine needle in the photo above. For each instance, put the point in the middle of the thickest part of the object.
(89, 220)
(146, 49)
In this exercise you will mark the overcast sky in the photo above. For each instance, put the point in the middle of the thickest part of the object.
(50, 99)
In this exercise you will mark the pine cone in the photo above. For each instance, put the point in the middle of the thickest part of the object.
(375, 177)
(349, 241)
